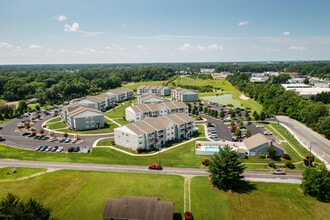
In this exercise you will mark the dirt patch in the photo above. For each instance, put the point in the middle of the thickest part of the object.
(243, 97)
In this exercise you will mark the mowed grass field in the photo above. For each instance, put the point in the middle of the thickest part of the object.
(82, 195)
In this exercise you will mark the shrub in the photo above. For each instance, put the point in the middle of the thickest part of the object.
(262, 156)
(286, 157)
(272, 164)
(289, 165)
(139, 150)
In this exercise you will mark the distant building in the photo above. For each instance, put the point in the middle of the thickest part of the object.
(205, 70)
(121, 95)
(138, 208)
(305, 90)
(157, 90)
(100, 102)
(184, 95)
(151, 98)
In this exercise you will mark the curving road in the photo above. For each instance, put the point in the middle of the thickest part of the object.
(311, 140)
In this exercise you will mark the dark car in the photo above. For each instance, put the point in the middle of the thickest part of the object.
(2, 139)
(70, 149)
(76, 149)
(25, 133)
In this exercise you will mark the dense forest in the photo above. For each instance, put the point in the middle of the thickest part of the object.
(276, 100)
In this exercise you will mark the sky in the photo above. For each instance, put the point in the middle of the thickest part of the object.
(152, 31)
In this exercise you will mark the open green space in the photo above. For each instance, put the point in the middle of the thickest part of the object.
(135, 85)
(12, 173)
(259, 201)
(82, 195)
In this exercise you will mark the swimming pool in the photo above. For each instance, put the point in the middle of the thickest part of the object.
(211, 149)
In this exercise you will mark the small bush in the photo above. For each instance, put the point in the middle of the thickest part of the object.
(272, 164)
(262, 156)
(139, 150)
(286, 157)
(289, 165)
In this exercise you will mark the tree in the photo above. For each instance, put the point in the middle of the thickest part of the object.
(316, 183)
(11, 207)
(226, 169)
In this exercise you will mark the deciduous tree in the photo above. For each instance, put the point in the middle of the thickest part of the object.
(226, 168)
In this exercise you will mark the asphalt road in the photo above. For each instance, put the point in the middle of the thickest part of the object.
(319, 145)
(255, 176)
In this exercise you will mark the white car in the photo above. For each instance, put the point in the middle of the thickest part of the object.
(60, 149)
(278, 172)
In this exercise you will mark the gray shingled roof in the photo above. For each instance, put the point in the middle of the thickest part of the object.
(138, 208)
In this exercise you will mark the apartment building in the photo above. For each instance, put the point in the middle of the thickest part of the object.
(153, 133)
(140, 111)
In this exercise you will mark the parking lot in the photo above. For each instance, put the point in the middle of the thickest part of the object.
(22, 138)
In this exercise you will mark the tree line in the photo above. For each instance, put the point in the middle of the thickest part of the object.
(276, 100)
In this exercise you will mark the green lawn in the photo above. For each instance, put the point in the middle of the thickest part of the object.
(82, 194)
(7, 174)
(260, 201)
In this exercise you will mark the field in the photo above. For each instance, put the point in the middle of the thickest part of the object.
(82, 194)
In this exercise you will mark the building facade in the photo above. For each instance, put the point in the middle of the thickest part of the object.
(153, 133)
(141, 111)
(184, 95)
(156, 90)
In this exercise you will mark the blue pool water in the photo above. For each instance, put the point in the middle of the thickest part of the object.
(213, 149)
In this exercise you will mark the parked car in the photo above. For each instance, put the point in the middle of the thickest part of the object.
(76, 149)
(155, 166)
(267, 133)
(2, 139)
(37, 148)
(70, 149)
(60, 149)
(259, 126)
(278, 172)
(68, 140)
(25, 133)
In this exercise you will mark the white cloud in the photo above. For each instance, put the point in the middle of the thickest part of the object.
(297, 48)
(185, 46)
(35, 47)
(5, 45)
(73, 28)
(243, 23)
(210, 47)
(141, 47)
(61, 17)
(286, 33)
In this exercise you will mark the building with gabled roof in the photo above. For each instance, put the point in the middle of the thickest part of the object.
(140, 111)
(151, 98)
(157, 90)
(100, 102)
(184, 95)
(78, 117)
(152, 133)
(138, 208)
(122, 94)
(259, 143)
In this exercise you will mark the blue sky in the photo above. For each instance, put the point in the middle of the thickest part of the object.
(135, 31)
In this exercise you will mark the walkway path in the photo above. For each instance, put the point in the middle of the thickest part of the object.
(186, 194)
